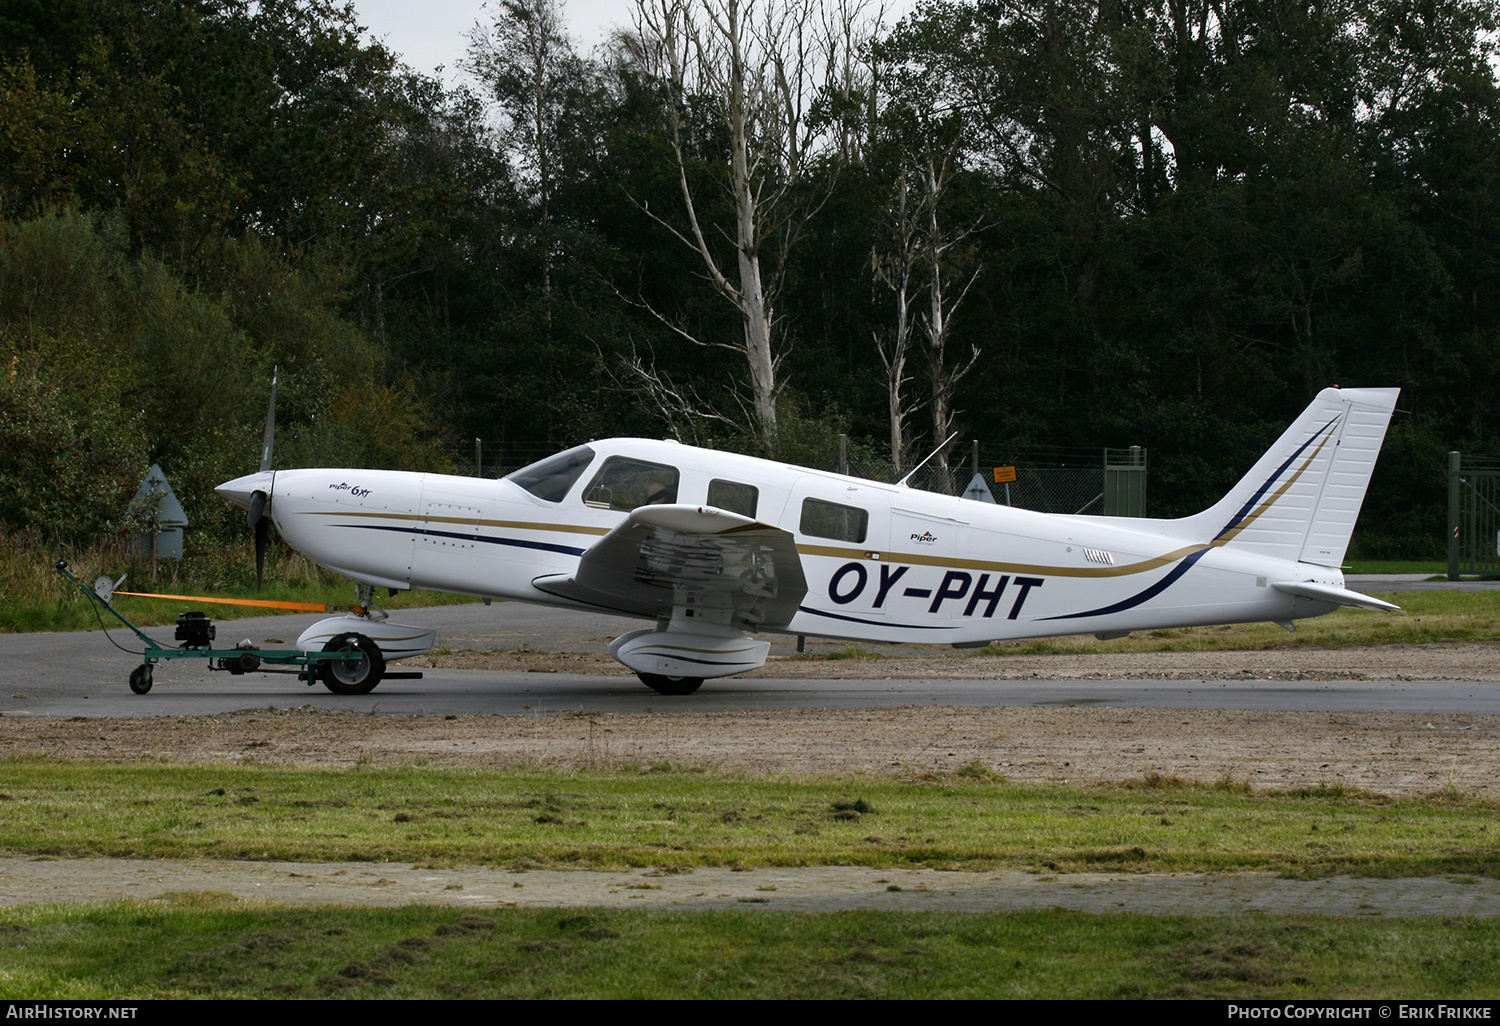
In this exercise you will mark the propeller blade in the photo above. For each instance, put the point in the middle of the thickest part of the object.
(262, 541)
(257, 508)
(268, 442)
(255, 513)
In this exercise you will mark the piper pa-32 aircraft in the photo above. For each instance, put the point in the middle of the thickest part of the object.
(710, 545)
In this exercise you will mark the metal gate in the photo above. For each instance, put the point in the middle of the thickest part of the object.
(1473, 515)
(1125, 482)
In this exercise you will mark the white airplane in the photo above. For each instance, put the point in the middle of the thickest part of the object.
(711, 545)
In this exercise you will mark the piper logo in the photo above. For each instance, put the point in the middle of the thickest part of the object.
(925, 538)
(354, 490)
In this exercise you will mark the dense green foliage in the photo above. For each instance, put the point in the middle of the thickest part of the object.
(1179, 218)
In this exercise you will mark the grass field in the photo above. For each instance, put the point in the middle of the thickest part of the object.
(206, 945)
(1426, 617)
(672, 817)
(210, 944)
(1432, 567)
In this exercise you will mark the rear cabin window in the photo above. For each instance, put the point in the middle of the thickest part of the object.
(551, 478)
(830, 520)
(625, 484)
(733, 496)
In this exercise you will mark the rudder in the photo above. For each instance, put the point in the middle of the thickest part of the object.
(1302, 498)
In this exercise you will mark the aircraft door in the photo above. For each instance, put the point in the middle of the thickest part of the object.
(922, 535)
(841, 531)
(927, 545)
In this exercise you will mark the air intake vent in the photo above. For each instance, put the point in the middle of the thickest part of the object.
(1099, 556)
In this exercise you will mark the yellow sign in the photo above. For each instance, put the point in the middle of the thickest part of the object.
(1005, 475)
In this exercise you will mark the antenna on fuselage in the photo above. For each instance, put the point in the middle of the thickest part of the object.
(902, 483)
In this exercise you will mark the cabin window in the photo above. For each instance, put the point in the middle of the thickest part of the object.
(626, 484)
(733, 496)
(831, 520)
(551, 478)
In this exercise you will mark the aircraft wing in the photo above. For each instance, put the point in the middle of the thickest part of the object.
(726, 568)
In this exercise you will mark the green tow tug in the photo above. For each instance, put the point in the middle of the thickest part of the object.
(350, 664)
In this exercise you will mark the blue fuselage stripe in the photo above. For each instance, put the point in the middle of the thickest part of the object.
(567, 550)
(1270, 481)
(1187, 562)
(878, 623)
(689, 659)
(1141, 596)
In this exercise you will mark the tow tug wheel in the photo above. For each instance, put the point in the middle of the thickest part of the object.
(140, 679)
(664, 685)
(352, 676)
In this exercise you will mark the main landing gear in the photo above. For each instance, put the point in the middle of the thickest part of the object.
(664, 685)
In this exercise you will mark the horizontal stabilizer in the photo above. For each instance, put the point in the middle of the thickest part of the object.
(1330, 593)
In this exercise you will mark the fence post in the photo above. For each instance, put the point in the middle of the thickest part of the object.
(1455, 461)
(1125, 484)
(843, 453)
(478, 458)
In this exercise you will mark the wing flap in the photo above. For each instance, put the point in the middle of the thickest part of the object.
(729, 568)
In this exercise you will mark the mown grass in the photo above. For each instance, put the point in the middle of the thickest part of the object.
(1426, 617)
(620, 819)
(215, 946)
(1396, 566)
(838, 654)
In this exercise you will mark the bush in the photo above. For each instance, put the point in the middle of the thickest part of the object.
(69, 458)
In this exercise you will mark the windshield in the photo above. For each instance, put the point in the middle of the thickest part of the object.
(551, 478)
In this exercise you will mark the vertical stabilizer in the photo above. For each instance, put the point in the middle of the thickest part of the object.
(1301, 500)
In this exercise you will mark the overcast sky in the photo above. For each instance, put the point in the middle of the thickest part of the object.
(436, 31)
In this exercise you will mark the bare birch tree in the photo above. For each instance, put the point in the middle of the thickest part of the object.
(529, 65)
(895, 267)
(944, 277)
(916, 139)
(928, 285)
(758, 66)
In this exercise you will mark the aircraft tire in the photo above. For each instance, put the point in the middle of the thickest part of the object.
(664, 685)
(140, 679)
(354, 677)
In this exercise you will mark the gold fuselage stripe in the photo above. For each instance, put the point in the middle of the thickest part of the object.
(909, 558)
(514, 525)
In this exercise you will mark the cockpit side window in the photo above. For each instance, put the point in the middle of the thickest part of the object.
(624, 484)
(733, 496)
(832, 520)
(551, 478)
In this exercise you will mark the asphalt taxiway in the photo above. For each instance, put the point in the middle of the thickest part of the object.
(85, 674)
